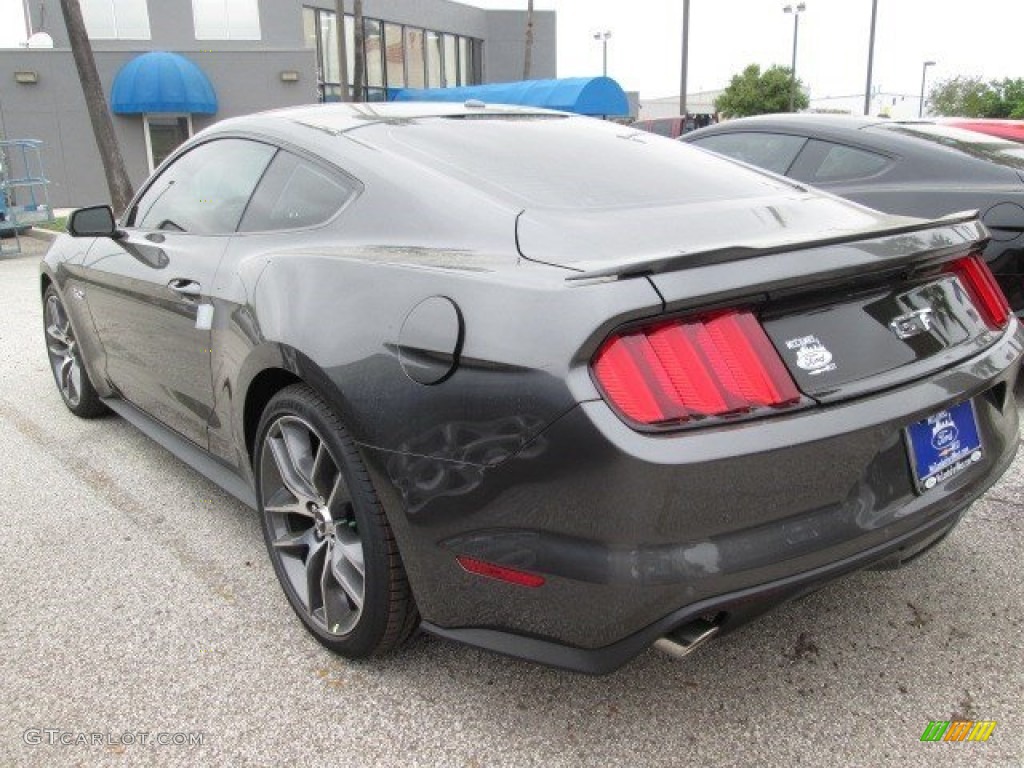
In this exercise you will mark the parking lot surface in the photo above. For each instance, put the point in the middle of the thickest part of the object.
(138, 599)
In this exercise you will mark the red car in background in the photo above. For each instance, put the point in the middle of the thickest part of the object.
(1004, 129)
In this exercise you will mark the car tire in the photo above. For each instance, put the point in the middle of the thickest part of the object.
(326, 533)
(66, 364)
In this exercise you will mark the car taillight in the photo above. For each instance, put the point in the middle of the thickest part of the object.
(981, 286)
(678, 370)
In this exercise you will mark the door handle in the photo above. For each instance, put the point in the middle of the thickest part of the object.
(185, 287)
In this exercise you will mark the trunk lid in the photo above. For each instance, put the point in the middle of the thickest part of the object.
(852, 300)
(635, 240)
(878, 338)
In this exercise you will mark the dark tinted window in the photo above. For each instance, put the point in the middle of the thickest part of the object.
(971, 143)
(772, 151)
(294, 194)
(570, 162)
(661, 127)
(204, 191)
(840, 162)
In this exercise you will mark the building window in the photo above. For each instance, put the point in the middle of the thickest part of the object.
(432, 48)
(116, 19)
(394, 56)
(451, 62)
(327, 55)
(164, 134)
(226, 19)
(464, 61)
(374, 43)
(414, 72)
(397, 56)
(309, 27)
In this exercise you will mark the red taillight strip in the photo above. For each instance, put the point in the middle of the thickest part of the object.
(986, 295)
(772, 383)
(500, 572)
(624, 383)
(687, 368)
(708, 366)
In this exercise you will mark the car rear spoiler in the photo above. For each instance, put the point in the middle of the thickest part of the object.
(729, 253)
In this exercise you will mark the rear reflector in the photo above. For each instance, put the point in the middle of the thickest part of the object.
(981, 286)
(500, 572)
(679, 370)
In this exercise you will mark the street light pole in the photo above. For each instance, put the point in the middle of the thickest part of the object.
(686, 47)
(924, 74)
(602, 37)
(871, 57)
(800, 8)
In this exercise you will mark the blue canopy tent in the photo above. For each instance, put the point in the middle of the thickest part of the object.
(582, 95)
(162, 82)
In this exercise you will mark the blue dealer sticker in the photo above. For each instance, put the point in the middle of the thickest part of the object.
(944, 445)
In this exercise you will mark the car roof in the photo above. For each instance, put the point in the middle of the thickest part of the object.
(801, 121)
(338, 118)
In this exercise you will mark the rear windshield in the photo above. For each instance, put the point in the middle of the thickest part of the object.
(973, 143)
(573, 162)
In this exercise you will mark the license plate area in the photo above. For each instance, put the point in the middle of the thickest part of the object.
(943, 445)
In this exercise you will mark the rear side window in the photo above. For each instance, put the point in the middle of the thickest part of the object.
(839, 163)
(771, 151)
(294, 194)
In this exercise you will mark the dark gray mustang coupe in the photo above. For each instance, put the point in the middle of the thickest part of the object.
(536, 382)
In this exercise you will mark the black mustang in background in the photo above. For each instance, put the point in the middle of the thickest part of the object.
(911, 168)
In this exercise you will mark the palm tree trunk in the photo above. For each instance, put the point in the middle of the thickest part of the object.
(359, 59)
(342, 43)
(118, 183)
(528, 55)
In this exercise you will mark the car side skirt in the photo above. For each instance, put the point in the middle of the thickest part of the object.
(191, 454)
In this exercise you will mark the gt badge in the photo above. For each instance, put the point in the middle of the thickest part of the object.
(912, 323)
(811, 355)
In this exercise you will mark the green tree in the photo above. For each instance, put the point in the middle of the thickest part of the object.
(963, 97)
(753, 92)
(1011, 97)
(972, 97)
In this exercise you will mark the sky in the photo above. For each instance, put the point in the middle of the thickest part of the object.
(981, 38)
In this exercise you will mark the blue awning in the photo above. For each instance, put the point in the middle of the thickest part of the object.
(582, 95)
(162, 82)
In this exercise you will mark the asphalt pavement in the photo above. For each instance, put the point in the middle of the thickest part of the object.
(137, 598)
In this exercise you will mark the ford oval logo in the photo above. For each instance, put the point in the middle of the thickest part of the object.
(944, 431)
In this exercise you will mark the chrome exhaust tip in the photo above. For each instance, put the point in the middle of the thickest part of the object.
(684, 640)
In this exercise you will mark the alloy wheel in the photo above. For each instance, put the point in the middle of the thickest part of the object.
(63, 351)
(312, 526)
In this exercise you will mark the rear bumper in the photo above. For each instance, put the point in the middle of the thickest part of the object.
(737, 608)
(637, 534)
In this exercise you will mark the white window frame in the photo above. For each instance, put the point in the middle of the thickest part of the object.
(149, 140)
(112, 4)
(228, 34)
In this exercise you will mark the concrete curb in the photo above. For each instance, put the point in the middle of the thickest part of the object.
(41, 234)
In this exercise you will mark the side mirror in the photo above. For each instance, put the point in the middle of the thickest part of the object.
(95, 221)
